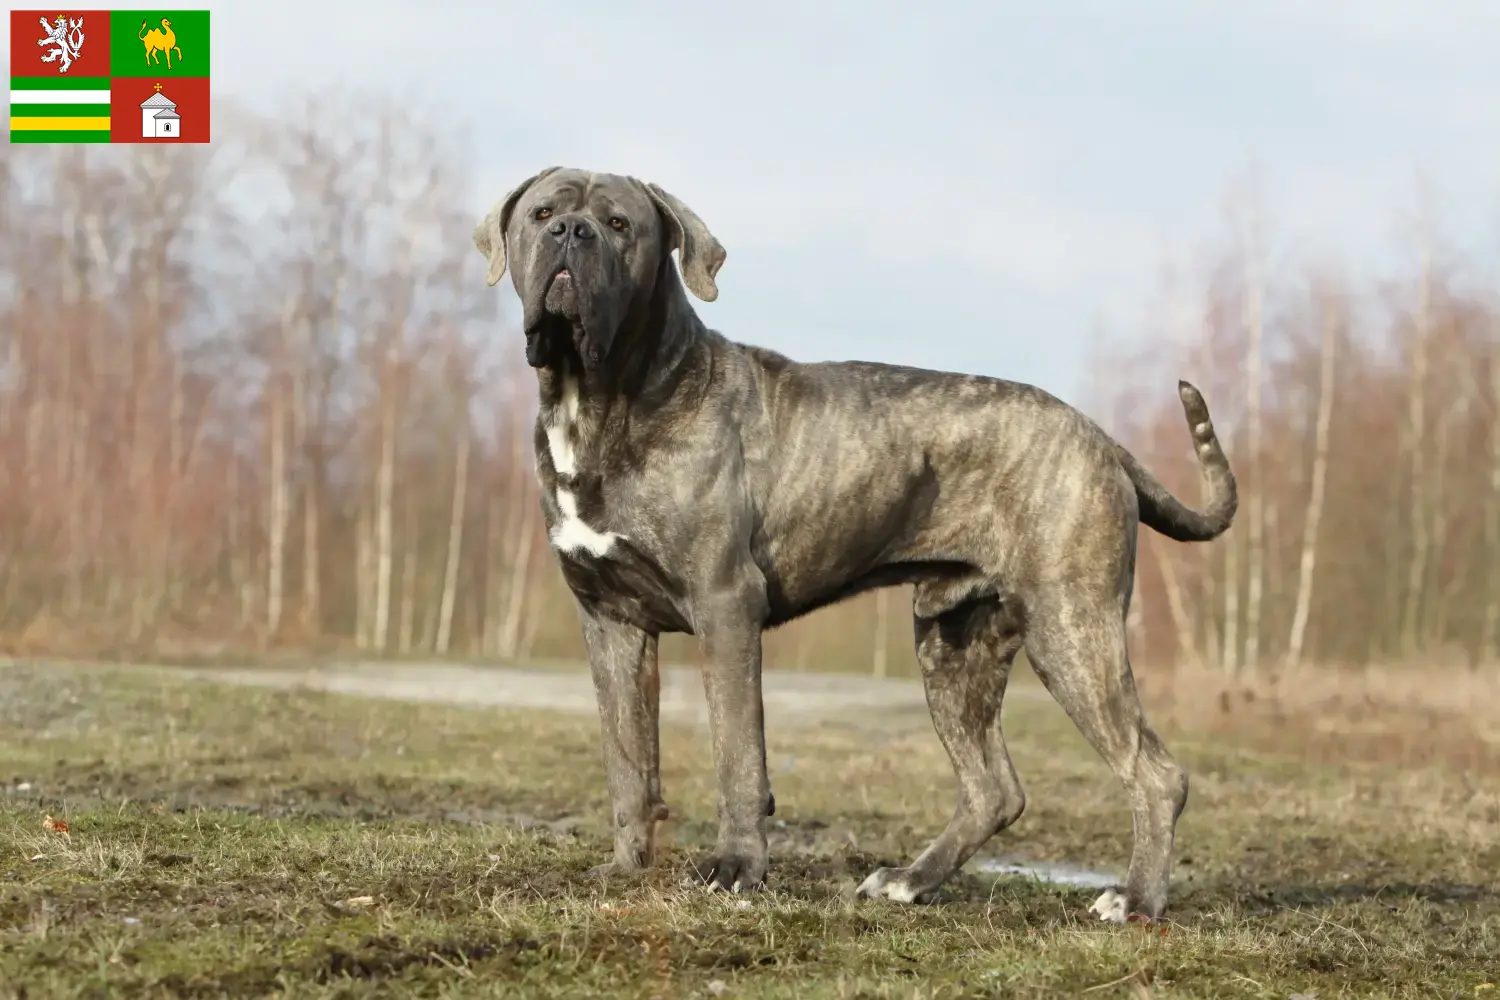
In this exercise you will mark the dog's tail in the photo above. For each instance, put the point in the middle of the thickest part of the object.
(1163, 512)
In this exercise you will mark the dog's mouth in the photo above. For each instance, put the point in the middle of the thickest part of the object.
(560, 324)
(562, 296)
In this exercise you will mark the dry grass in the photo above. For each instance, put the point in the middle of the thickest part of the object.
(1412, 717)
(237, 841)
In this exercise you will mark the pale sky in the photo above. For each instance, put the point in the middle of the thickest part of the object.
(970, 186)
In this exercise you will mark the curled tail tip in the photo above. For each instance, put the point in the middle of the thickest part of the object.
(1196, 409)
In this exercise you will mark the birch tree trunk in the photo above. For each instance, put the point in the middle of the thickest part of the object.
(364, 575)
(141, 458)
(1254, 419)
(1230, 657)
(312, 584)
(239, 571)
(276, 542)
(1416, 435)
(316, 408)
(455, 536)
(176, 419)
(1307, 565)
(1182, 623)
(1435, 626)
(511, 639)
(385, 485)
(522, 515)
(301, 431)
(70, 455)
(409, 573)
(280, 492)
(494, 547)
(528, 636)
(1489, 645)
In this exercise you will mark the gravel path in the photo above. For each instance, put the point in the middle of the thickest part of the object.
(789, 697)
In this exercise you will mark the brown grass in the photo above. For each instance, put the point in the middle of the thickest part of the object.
(247, 842)
(1413, 717)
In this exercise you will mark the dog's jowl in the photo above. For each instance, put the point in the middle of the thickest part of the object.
(692, 484)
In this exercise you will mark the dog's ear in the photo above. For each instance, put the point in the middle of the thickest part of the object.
(489, 235)
(700, 253)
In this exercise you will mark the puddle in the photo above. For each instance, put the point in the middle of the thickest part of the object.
(1055, 873)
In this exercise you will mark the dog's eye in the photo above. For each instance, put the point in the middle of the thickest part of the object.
(618, 224)
(543, 213)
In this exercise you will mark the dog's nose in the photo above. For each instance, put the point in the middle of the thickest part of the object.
(574, 226)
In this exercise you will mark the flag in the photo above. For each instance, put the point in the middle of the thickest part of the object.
(158, 43)
(109, 76)
(65, 109)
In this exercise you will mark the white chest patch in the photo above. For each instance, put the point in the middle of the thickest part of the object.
(560, 430)
(572, 535)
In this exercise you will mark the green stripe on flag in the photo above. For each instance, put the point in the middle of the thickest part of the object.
(41, 137)
(59, 110)
(59, 83)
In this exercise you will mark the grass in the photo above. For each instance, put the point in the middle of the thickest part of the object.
(247, 842)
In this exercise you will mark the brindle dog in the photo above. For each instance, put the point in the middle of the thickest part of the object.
(693, 484)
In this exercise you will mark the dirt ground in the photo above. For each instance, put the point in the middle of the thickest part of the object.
(254, 833)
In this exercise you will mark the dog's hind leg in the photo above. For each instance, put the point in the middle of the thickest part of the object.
(966, 655)
(628, 687)
(1077, 648)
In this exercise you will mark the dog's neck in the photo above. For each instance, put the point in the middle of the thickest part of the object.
(644, 370)
(645, 358)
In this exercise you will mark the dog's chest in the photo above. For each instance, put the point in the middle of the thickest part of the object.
(568, 530)
(607, 569)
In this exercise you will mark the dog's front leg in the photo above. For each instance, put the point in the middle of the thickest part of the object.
(731, 637)
(627, 684)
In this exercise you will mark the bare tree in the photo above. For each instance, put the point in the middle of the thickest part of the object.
(364, 576)
(1455, 409)
(1328, 320)
(523, 510)
(1416, 448)
(1229, 659)
(462, 449)
(1489, 641)
(1254, 293)
(409, 562)
(385, 490)
(882, 631)
(279, 500)
(180, 456)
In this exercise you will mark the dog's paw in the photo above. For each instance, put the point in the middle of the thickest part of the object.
(891, 883)
(731, 873)
(1111, 907)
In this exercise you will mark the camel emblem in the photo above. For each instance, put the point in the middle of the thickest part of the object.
(159, 40)
(67, 36)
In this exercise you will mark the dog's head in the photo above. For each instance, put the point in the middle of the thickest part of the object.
(587, 253)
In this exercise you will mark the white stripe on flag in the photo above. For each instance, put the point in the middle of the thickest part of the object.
(59, 97)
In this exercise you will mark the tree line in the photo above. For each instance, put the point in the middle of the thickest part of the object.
(256, 395)
(1362, 418)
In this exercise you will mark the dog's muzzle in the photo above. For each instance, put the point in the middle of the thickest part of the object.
(562, 296)
(561, 323)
